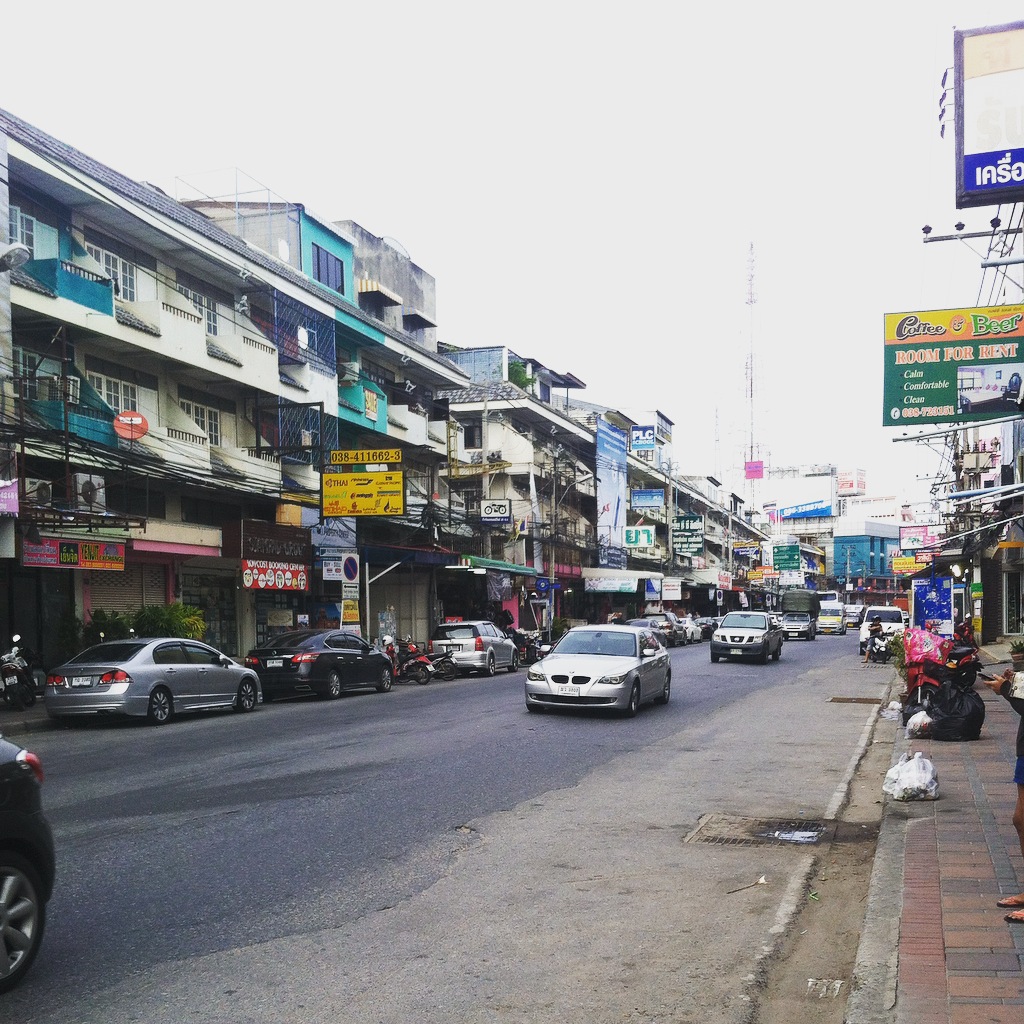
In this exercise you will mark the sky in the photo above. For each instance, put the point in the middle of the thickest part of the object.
(602, 187)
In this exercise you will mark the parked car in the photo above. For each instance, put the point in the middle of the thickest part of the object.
(670, 626)
(652, 626)
(690, 629)
(609, 666)
(707, 626)
(320, 661)
(154, 678)
(798, 625)
(891, 618)
(27, 862)
(476, 645)
(757, 635)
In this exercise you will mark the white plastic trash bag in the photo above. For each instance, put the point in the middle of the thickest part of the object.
(919, 724)
(893, 711)
(912, 778)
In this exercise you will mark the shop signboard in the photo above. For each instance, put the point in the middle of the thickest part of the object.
(261, 575)
(641, 498)
(54, 553)
(639, 536)
(373, 493)
(905, 565)
(365, 457)
(955, 366)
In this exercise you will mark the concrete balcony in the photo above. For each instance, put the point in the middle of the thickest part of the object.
(411, 425)
(239, 350)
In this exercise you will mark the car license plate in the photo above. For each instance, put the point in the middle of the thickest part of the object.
(81, 681)
(275, 662)
(735, 650)
(568, 691)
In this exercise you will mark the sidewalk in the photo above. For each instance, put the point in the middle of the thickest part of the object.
(935, 948)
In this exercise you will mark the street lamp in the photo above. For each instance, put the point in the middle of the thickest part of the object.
(13, 256)
(577, 480)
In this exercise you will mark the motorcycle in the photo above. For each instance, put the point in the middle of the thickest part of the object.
(878, 649)
(409, 664)
(528, 644)
(444, 664)
(19, 687)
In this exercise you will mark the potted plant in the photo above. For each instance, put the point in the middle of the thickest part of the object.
(1017, 651)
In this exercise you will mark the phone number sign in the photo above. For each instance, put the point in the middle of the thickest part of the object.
(365, 456)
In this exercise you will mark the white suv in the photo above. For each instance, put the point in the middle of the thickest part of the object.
(892, 622)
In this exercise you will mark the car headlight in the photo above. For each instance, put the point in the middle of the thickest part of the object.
(534, 674)
(613, 680)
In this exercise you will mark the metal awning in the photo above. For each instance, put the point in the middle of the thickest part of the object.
(596, 573)
(366, 285)
(476, 562)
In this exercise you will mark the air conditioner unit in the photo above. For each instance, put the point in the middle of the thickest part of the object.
(63, 389)
(307, 438)
(90, 492)
(348, 373)
(38, 492)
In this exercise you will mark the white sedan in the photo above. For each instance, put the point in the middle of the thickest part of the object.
(693, 633)
(618, 667)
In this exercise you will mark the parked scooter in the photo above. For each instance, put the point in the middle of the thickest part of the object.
(409, 664)
(19, 688)
(528, 643)
(444, 664)
(878, 649)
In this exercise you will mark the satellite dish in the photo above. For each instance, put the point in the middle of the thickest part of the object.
(397, 246)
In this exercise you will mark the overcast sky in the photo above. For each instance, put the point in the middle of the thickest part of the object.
(584, 181)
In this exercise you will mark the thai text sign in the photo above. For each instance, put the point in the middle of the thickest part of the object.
(905, 565)
(52, 553)
(952, 365)
(646, 498)
(364, 494)
(786, 556)
(638, 536)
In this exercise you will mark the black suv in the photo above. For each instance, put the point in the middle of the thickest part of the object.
(27, 864)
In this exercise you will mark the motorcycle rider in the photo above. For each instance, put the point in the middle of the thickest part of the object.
(874, 635)
(963, 630)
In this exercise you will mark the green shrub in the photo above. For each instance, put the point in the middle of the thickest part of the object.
(105, 626)
(182, 620)
(559, 627)
(899, 655)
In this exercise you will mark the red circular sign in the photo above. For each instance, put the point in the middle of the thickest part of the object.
(130, 425)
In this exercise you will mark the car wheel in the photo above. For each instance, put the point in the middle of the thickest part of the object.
(245, 699)
(489, 670)
(777, 653)
(513, 665)
(634, 701)
(333, 691)
(24, 915)
(161, 706)
(666, 690)
(384, 683)
(763, 657)
(714, 658)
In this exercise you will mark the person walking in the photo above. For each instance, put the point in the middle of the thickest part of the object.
(1010, 686)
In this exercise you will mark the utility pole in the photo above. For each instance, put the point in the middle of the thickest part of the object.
(751, 302)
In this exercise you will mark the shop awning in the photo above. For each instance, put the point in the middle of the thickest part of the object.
(476, 562)
(595, 573)
(367, 286)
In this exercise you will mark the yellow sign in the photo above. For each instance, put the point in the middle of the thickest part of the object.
(364, 456)
(363, 494)
(905, 565)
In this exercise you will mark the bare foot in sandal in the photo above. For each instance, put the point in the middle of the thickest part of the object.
(1011, 902)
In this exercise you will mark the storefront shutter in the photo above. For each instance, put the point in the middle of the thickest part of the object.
(128, 591)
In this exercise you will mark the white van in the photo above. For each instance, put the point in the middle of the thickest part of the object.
(832, 618)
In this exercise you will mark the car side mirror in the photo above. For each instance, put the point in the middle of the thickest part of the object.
(649, 652)
(544, 648)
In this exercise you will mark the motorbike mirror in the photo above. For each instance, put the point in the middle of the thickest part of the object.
(16, 637)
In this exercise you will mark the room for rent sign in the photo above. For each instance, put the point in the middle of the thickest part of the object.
(953, 365)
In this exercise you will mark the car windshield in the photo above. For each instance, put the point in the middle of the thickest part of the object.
(109, 652)
(598, 641)
(745, 620)
(886, 614)
(796, 617)
(454, 633)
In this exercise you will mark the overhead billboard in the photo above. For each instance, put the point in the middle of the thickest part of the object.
(988, 83)
(952, 365)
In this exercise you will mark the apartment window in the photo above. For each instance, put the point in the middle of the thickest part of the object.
(474, 433)
(118, 394)
(205, 305)
(40, 238)
(119, 270)
(206, 417)
(328, 269)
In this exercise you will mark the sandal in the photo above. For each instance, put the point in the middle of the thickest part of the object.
(1017, 917)
(1011, 902)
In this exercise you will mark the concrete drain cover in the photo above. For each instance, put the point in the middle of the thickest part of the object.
(727, 830)
(854, 700)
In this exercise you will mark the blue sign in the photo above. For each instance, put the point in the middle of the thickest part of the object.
(808, 510)
(641, 438)
(647, 499)
(350, 568)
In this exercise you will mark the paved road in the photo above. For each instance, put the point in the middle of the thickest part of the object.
(437, 854)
